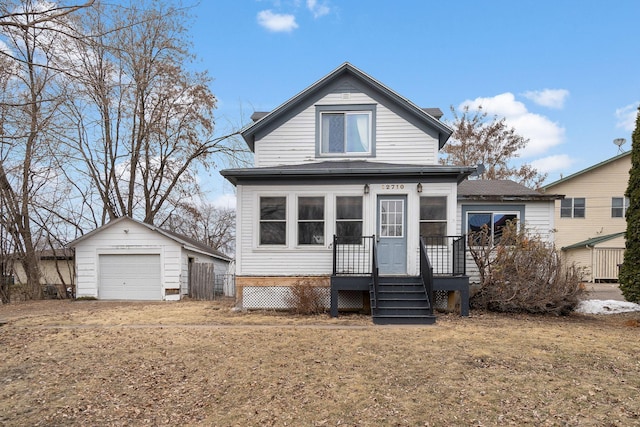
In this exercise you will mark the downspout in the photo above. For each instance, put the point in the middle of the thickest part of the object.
(593, 270)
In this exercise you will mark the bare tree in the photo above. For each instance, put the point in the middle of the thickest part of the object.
(30, 104)
(206, 223)
(494, 144)
(144, 121)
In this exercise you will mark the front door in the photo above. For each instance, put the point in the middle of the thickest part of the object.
(392, 234)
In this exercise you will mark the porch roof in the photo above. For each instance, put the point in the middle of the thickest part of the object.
(347, 169)
(593, 241)
(500, 190)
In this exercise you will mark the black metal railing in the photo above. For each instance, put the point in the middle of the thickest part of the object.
(447, 254)
(426, 273)
(353, 255)
(375, 274)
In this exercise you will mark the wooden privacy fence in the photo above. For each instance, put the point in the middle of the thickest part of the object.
(205, 284)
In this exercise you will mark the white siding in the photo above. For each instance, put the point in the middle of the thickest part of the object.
(291, 259)
(397, 140)
(538, 218)
(128, 237)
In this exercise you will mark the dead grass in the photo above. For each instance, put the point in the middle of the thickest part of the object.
(198, 363)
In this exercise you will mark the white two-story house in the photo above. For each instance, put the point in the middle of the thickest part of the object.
(345, 182)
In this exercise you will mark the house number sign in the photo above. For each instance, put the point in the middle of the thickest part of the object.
(392, 187)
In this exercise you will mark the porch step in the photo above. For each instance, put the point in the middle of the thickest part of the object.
(401, 301)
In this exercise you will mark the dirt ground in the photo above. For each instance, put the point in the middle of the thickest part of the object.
(201, 363)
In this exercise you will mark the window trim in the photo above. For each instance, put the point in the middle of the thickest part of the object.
(444, 221)
(573, 207)
(336, 220)
(260, 221)
(519, 210)
(347, 108)
(323, 220)
(624, 207)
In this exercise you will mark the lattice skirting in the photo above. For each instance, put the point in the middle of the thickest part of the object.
(441, 300)
(274, 297)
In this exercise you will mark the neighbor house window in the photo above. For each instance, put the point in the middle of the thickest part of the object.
(487, 227)
(619, 206)
(349, 219)
(273, 220)
(311, 220)
(572, 207)
(433, 216)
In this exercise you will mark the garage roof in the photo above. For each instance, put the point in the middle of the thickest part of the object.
(186, 242)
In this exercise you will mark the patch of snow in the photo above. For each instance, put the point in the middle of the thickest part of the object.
(596, 306)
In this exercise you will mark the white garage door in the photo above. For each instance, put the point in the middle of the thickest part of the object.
(130, 277)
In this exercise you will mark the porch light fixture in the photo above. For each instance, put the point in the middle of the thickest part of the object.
(366, 189)
(419, 187)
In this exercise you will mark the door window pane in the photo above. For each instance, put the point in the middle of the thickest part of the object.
(391, 218)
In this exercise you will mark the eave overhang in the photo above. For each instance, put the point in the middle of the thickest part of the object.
(249, 133)
(508, 198)
(346, 171)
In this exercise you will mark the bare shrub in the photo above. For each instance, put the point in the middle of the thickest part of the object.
(304, 298)
(520, 272)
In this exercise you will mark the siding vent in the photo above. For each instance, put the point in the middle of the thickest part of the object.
(346, 95)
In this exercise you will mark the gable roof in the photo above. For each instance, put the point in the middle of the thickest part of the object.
(499, 190)
(346, 69)
(184, 241)
(344, 169)
(590, 168)
(593, 241)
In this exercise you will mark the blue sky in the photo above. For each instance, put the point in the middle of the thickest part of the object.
(565, 74)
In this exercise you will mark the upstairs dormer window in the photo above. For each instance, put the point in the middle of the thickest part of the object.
(345, 131)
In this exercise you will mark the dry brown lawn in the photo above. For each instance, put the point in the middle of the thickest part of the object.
(198, 363)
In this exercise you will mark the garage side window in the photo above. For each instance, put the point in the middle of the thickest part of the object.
(311, 221)
(273, 221)
(349, 219)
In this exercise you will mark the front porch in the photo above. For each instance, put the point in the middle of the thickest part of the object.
(400, 299)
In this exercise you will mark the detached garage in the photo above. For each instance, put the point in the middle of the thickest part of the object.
(130, 260)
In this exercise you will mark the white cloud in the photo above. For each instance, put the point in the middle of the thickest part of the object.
(277, 22)
(317, 9)
(541, 132)
(552, 98)
(558, 162)
(225, 201)
(627, 117)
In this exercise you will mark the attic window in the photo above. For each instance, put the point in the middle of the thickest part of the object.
(345, 130)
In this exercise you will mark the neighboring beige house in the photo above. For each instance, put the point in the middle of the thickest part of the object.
(590, 220)
(56, 268)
